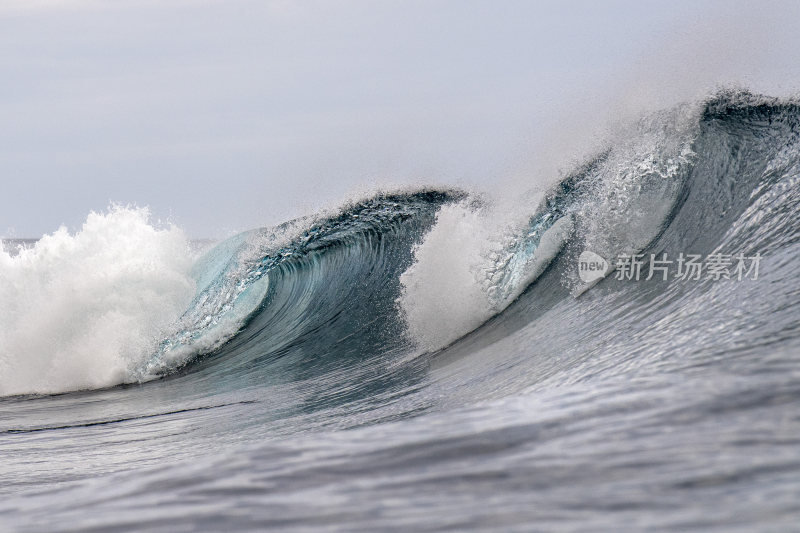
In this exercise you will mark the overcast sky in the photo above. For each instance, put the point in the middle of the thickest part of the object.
(227, 115)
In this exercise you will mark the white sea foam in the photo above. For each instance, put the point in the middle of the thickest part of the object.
(79, 311)
(469, 268)
(441, 299)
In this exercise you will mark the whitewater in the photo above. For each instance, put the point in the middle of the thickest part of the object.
(427, 358)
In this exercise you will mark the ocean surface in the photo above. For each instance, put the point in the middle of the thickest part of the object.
(429, 360)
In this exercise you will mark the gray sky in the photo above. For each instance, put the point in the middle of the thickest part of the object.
(227, 115)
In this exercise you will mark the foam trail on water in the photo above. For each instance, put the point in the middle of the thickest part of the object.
(79, 311)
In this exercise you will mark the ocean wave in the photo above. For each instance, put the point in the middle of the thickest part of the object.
(395, 275)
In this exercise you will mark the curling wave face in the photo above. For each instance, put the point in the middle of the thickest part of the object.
(452, 335)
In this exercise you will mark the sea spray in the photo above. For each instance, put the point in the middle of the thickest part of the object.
(80, 310)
